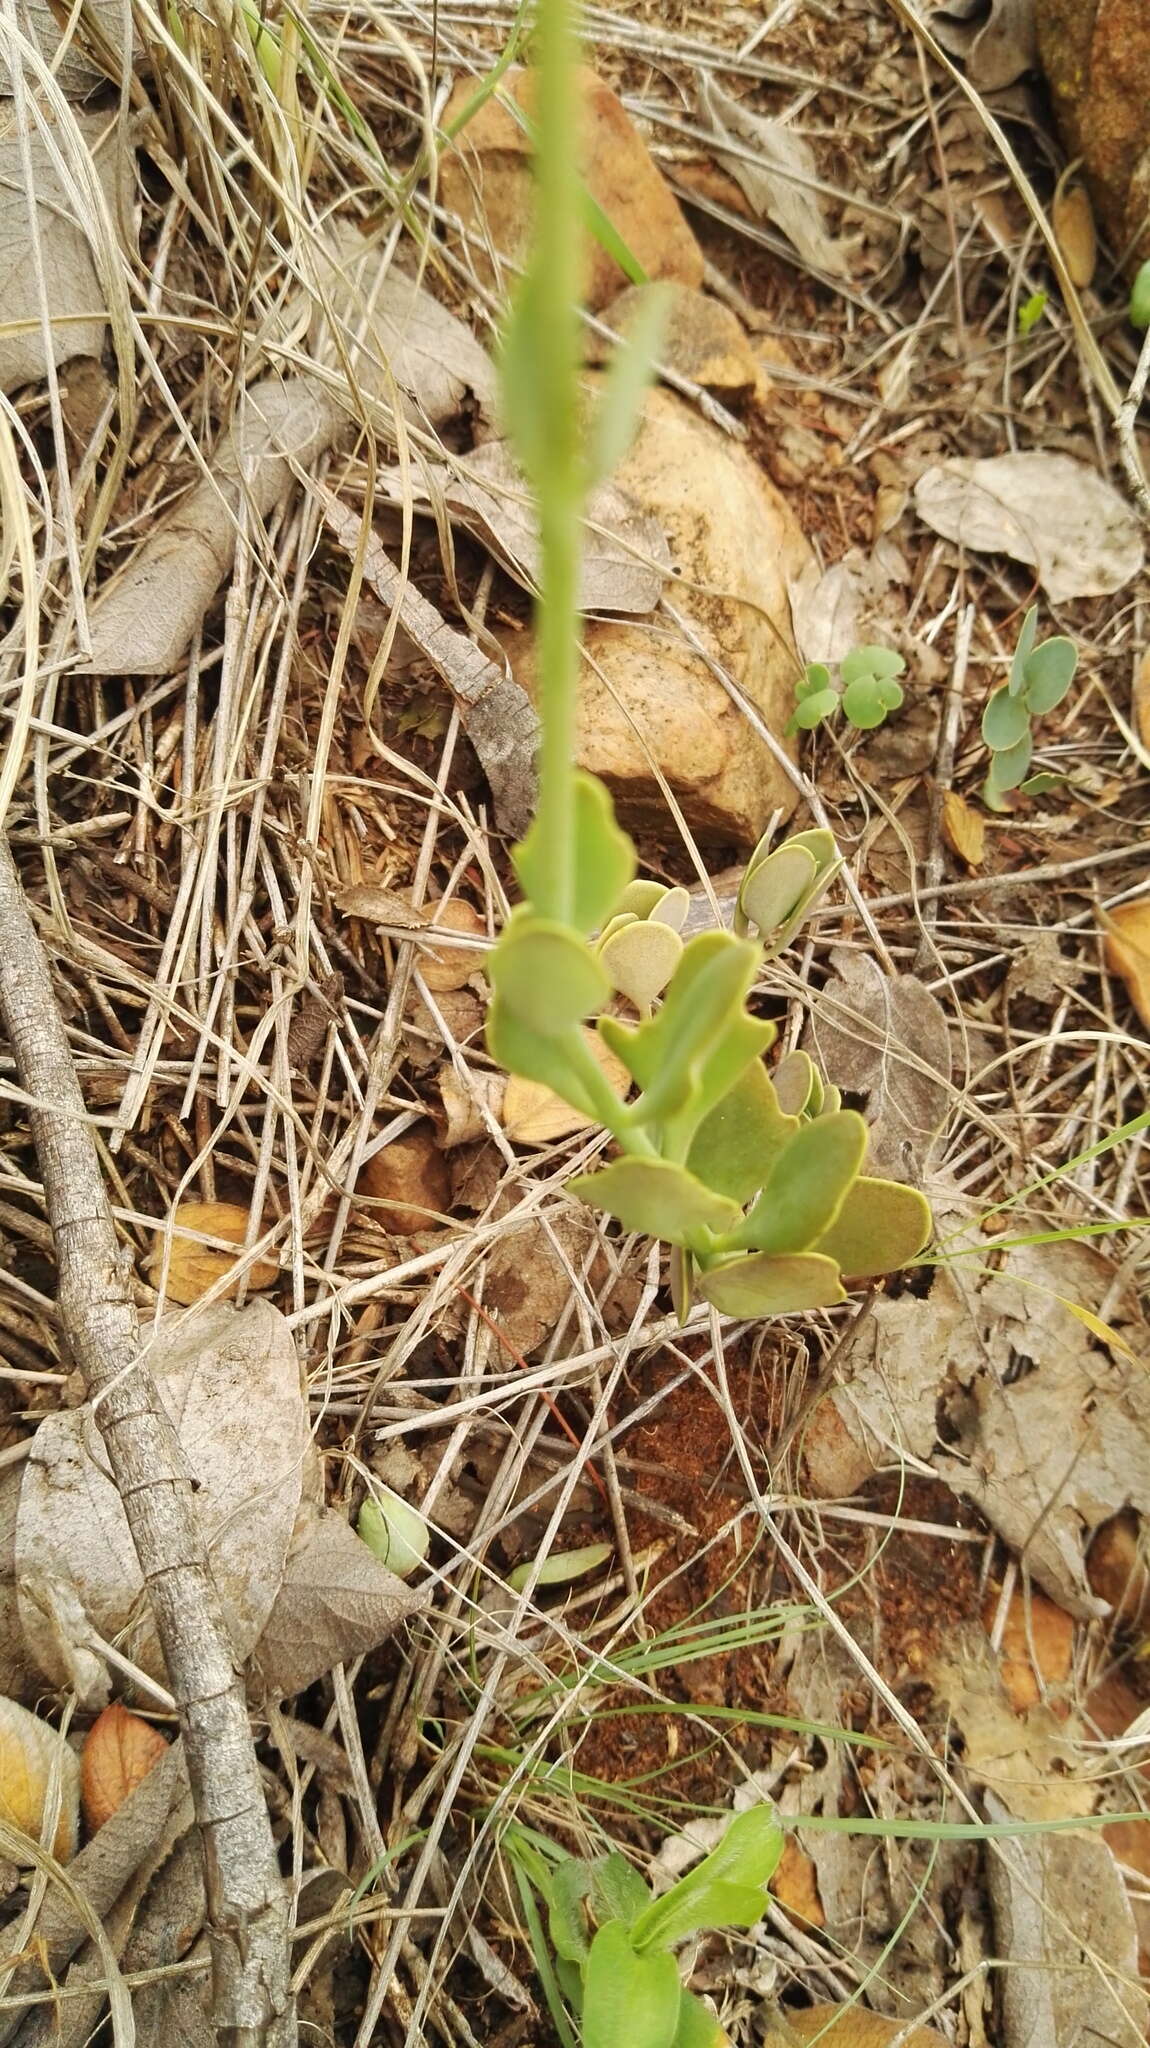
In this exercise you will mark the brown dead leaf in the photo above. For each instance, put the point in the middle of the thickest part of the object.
(885, 1040)
(963, 829)
(845, 2026)
(380, 906)
(1031, 1761)
(336, 1602)
(119, 1751)
(528, 1285)
(1140, 700)
(389, 327)
(230, 1381)
(1117, 1569)
(776, 168)
(1040, 507)
(32, 1756)
(796, 1887)
(464, 1107)
(1127, 950)
(412, 1180)
(446, 968)
(1036, 1648)
(1072, 218)
(191, 1268)
(996, 38)
(51, 160)
(535, 1115)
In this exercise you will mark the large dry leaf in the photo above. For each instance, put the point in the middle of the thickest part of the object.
(42, 171)
(998, 41)
(387, 323)
(1065, 1928)
(781, 180)
(1127, 950)
(143, 623)
(626, 560)
(884, 1041)
(336, 1602)
(120, 1749)
(37, 1764)
(1034, 1761)
(75, 73)
(1049, 511)
(230, 1382)
(1015, 1400)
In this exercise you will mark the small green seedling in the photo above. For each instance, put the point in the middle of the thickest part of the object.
(606, 1961)
(1040, 676)
(1030, 313)
(869, 690)
(1140, 299)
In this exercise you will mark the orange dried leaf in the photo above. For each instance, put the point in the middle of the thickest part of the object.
(411, 1178)
(1140, 700)
(448, 967)
(1036, 1648)
(31, 1753)
(963, 829)
(1127, 950)
(796, 1887)
(195, 1268)
(118, 1755)
(1072, 218)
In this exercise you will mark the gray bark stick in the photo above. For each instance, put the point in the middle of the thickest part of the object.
(248, 1911)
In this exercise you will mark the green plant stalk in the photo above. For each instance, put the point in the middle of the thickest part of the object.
(561, 491)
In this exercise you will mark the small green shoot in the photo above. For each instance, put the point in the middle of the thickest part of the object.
(1140, 299)
(1030, 313)
(607, 1966)
(1040, 676)
(869, 690)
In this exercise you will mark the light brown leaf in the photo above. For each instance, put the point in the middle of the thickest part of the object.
(31, 1755)
(1072, 218)
(885, 1039)
(230, 1381)
(796, 1887)
(1037, 1645)
(71, 258)
(463, 1107)
(1127, 950)
(411, 1179)
(997, 40)
(535, 1115)
(776, 169)
(118, 1753)
(336, 1602)
(379, 906)
(445, 968)
(963, 828)
(1045, 509)
(1140, 700)
(386, 322)
(846, 2026)
(192, 1268)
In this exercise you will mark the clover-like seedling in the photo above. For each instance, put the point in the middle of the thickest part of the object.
(607, 1958)
(1040, 676)
(869, 690)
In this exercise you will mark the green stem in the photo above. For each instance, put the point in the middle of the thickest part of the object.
(556, 280)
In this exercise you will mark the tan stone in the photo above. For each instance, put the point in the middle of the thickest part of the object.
(650, 703)
(486, 179)
(1096, 56)
(701, 339)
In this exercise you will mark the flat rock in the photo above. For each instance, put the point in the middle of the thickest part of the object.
(650, 705)
(487, 180)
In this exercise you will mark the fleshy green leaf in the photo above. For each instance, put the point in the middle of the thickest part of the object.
(735, 1146)
(815, 678)
(629, 372)
(604, 857)
(671, 909)
(1023, 651)
(639, 897)
(568, 1885)
(698, 2027)
(557, 1062)
(629, 2001)
(1008, 768)
(742, 1042)
(682, 1277)
(665, 1055)
(758, 1285)
(870, 661)
(393, 1530)
(522, 394)
(808, 1185)
(617, 1890)
(863, 703)
(545, 976)
(1140, 298)
(812, 710)
(1049, 674)
(1005, 720)
(733, 1879)
(777, 888)
(640, 959)
(880, 1228)
(561, 1567)
(656, 1197)
(794, 1082)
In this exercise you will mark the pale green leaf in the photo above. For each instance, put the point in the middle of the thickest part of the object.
(1049, 674)
(561, 1568)
(640, 897)
(735, 1146)
(640, 960)
(807, 1186)
(794, 1080)
(629, 2001)
(656, 1197)
(1008, 768)
(545, 975)
(1023, 651)
(880, 1228)
(698, 2027)
(393, 1531)
(727, 1885)
(1005, 720)
(604, 857)
(629, 372)
(759, 1285)
(671, 909)
(617, 1890)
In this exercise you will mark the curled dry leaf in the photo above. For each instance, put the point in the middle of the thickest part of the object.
(795, 1885)
(1036, 1647)
(963, 829)
(377, 905)
(1127, 950)
(118, 1753)
(1140, 700)
(411, 1180)
(336, 1601)
(468, 1107)
(448, 967)
(230, 1381)
(59, 164)
(389, 328)
(34, 1761)
(998, 40)
(777, 171)
(191, 1268)
(535, 1115)
(885, 1040)
(1072, 218)
(1047, 510)
(1117, 1569)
